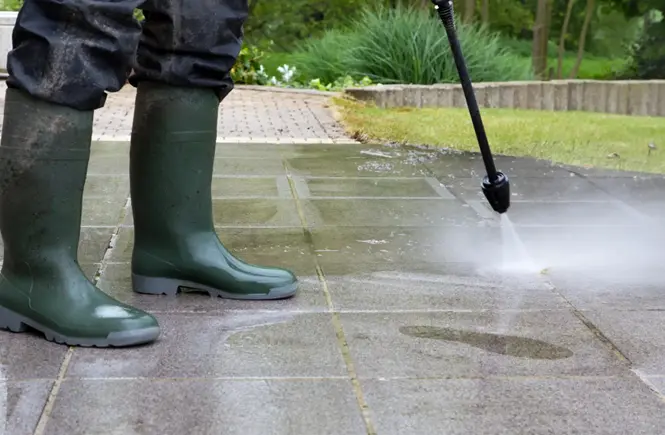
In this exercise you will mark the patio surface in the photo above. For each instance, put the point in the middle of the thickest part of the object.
(406, 321)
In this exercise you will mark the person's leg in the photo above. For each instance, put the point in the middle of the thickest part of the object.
(71, 52)
(184, 58)
(59, 72)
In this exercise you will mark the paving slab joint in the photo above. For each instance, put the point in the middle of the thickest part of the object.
(342, 342)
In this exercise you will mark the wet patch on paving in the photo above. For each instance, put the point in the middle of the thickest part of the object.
(405, 322)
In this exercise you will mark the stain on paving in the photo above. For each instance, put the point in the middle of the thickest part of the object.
(509, 345)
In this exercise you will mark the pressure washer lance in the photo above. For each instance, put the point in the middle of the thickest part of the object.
(495, 185)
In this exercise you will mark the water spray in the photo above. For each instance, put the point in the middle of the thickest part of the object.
(495, 184)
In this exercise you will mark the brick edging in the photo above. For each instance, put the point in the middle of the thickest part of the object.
(277, 89)
(626, 97)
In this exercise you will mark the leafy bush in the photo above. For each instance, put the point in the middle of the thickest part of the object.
(248, 69)
(327, 57)
(11, 5)
(524, 47)
(648, 53)
(407, 45)
(289, 78)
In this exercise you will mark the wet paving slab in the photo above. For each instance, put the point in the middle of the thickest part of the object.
(406, 321)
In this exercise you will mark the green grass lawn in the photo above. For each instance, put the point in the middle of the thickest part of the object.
(591, 68)
(575, 138)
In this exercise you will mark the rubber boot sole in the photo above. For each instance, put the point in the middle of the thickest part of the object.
(171, 287)
(13, 322)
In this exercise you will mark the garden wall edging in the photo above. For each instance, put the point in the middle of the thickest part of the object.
(628, 97)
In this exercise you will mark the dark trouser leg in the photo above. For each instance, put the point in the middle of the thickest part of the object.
(173, 149)
(71, 52)
(44, 156)
(190, 43)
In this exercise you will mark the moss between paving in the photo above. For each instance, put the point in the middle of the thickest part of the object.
(575, 138)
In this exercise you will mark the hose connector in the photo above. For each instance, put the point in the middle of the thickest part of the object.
(497, 192)
(445, 10)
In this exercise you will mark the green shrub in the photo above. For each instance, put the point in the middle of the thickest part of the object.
(407, 45)
(593, 68)
(326, 58)
(648, 53)
(524, 47)
(11, 5)
(248, 69)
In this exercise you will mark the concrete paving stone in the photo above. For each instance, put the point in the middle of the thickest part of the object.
(335, 267)
(105, 186)
(355, 161)
(109, 149)
(388, 212)
(534, 406)
(232, 344)
(399, 291)
(603, 174)
(371, 188)
(94, 242)
(599, 290)
(635, 189)
(248, 187)
(254, 212)
(239, 166)
(532, 189)
(90, 270)
(102, 211)
(109, 165)
(447, 166)
(28, 356)
(654, 210)
(407, 244)
(597, 293)
(476, 344)
(206, 407)
(638, 334)
(92, 245)
(518, 167)
(21, 404)
(571, 214)
(606, 253)
(278, 247)
(334, 151)
(657, 383)
(116, 281)
(260, 151)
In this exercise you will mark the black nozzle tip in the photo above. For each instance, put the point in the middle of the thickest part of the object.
(497, 192)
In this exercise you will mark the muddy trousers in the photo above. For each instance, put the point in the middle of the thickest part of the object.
(72, 52)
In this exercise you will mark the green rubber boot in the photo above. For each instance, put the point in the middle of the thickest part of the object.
(171, 164)
(43, 163)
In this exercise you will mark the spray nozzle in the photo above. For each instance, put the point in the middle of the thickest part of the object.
(497, 192)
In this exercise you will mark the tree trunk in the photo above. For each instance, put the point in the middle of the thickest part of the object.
(590, 8)
(539, 47)
(562, 40)
(485, 12)
(469, 10)
(546, 38)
